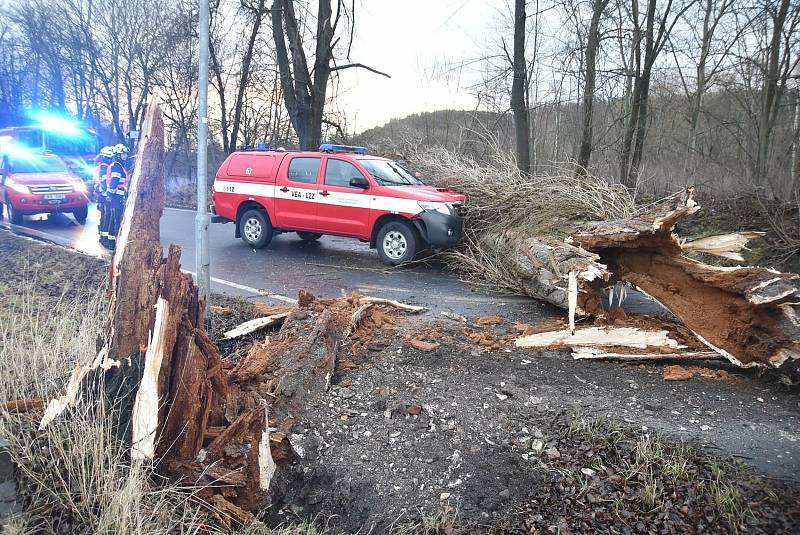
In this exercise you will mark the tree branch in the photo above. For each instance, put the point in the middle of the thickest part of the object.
(361, 65)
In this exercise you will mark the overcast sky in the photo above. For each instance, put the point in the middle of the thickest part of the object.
(411, 40)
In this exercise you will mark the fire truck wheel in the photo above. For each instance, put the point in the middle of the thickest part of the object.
(81, 214)
(255, 228)
(14, 216)
(309, 236)
(397, 243)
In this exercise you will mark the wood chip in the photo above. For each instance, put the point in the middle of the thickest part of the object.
(397, 304)
(684, 373)
(255, 325)
(489, 320)
(422, 345)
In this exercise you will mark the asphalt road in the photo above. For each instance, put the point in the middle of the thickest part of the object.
(330, 267)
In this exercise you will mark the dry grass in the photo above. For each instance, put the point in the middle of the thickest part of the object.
(75, 476)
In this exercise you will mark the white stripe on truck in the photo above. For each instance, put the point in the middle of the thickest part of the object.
(336, 198)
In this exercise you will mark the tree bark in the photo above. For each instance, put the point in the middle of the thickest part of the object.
(519, 87)
(590, 61)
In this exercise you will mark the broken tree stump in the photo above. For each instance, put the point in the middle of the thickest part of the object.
(162, 374)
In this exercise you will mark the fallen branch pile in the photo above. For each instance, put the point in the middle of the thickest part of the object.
(515, 239)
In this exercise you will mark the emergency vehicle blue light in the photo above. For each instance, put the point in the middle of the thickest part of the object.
(20, 152)
(57, 124)
(328, 147)
(261, 146)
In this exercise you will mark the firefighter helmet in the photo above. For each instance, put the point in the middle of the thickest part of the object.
(108, 152)
(119, 148)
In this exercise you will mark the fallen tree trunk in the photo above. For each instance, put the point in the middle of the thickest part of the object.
(538, 269)
(747, 314)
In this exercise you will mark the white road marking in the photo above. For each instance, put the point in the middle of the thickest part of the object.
(180, 209)
(374, 287)
(250, 289)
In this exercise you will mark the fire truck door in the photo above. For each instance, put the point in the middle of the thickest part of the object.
(344, 206)
(296, 194)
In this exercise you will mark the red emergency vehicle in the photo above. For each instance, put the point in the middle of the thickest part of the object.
(35, 183)
(340, 191)
(75, 144)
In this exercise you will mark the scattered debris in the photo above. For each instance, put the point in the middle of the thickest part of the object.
(684, 373)
(356, 319)
(397, 304)
(489, 320)
(304, 298)
(726, 246)
(414, 409)
(266, 309)
(455, 317)
(487, 340)
(23, 405)
(601, 336)
(422, 345)
(586, 353)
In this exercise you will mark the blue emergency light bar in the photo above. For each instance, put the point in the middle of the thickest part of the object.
(328, 147)
(57, 124)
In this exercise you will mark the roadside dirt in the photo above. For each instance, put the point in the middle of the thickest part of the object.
(411, 432)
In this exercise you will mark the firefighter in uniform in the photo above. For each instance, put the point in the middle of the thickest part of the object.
(117, 189)
(101, 175)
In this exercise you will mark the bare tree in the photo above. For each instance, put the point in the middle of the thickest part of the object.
(304, 89)
(590, 76)
(649, 38)
(780, 19)
(519, 90)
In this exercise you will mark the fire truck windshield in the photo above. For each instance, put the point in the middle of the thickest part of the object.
(389, 173)
(36, 164)
(72, 146)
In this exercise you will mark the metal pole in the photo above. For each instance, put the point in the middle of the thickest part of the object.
(202, 219)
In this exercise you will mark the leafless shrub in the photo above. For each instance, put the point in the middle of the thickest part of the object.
(784, 224)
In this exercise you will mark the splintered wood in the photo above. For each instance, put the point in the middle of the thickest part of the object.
(601, 336)
(748, 315)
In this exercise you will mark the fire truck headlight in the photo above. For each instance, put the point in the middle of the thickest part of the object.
(19, 188)
(80, 187)
(441, 207)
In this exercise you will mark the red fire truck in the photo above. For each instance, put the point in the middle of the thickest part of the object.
(341, 191)
(75, 144)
